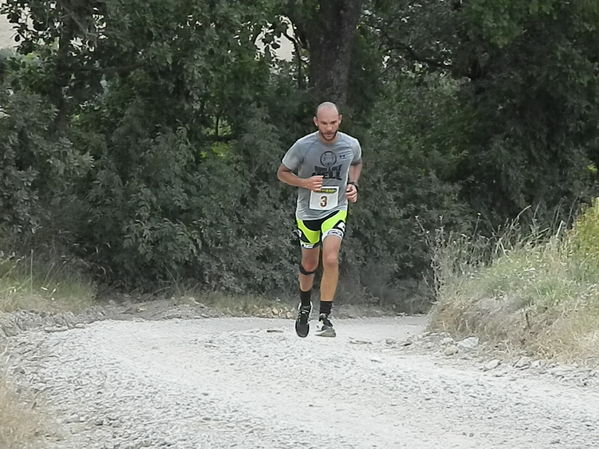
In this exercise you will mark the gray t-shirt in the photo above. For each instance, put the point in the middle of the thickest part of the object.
(311, 156)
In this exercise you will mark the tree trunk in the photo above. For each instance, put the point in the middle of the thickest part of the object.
(329, 33)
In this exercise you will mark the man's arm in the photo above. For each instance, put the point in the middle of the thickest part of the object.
(285, 175)
(355, 170)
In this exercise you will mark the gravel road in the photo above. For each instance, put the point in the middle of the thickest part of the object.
(251, 383)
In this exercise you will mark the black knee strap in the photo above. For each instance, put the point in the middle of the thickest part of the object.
(306, 272)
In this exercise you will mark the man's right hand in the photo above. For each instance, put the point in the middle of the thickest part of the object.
(314, 183)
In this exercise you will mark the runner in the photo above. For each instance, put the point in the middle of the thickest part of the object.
(325, 166)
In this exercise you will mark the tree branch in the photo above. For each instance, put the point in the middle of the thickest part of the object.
(411, 54)
(298, 58)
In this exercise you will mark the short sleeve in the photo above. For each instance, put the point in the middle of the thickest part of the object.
(357, 149)
(293, 158)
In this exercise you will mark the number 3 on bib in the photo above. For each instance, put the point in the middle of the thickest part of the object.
(325, 198)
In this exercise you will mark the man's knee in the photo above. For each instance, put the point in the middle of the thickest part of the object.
(330, 260)
(308, 267)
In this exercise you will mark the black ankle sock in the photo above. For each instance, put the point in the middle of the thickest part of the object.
(305, 297)
(325, 307)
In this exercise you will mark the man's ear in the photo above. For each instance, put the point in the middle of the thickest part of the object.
(340, 118)
(315, 120)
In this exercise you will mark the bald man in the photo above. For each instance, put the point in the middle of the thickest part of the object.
(325, 166)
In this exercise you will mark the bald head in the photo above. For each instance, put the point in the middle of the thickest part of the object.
(327, 120)
(327, 106)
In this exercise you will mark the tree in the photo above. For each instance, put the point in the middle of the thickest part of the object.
(147, 133)
(63, 35)
(327, 28)
(527, 92)
(532, 94)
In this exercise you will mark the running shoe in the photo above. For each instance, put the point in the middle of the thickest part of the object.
(302, 326)
(325, 328)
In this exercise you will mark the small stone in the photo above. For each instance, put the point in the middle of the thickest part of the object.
(491, 365)
(468, 343)
(447, 341)
(451, 350)
(55, 329)
(560, 372)
(523, 363)
(538, 364)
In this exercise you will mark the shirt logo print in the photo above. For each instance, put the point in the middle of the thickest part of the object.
(328, 159)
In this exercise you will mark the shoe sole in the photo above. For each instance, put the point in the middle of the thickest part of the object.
(302, 330)
(330, 332)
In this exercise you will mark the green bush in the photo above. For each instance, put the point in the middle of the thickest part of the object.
(407, 191)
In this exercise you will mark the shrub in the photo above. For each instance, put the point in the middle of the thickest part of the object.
(538, 293)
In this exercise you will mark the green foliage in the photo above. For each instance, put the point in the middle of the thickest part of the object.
(533, 94)
(189, 214)
(527, 98)
(505, 20)
(146, 196)
(38, 168)
(407, 187)
(145, 135)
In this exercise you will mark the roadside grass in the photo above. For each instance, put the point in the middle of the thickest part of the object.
(26, 284)
(284, 306)
(538, 293)
(20, 426)
(238, 305)
(44, 286)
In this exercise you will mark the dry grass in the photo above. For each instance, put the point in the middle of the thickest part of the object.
(240, 305)
(539, 294)
(20, 426)
(49, 287)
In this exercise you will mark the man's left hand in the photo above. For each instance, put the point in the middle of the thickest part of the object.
(351, 192)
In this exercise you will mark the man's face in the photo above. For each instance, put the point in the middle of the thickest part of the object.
(327, 121)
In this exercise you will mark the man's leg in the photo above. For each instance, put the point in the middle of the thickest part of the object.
(308, 266)
(333, 230)
(331, 246)
(330, 262)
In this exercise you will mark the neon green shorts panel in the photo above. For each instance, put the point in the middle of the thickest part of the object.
(313, 232)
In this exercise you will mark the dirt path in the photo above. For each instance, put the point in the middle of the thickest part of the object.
(251, 383)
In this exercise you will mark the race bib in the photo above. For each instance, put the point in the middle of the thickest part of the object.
(325, 199)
